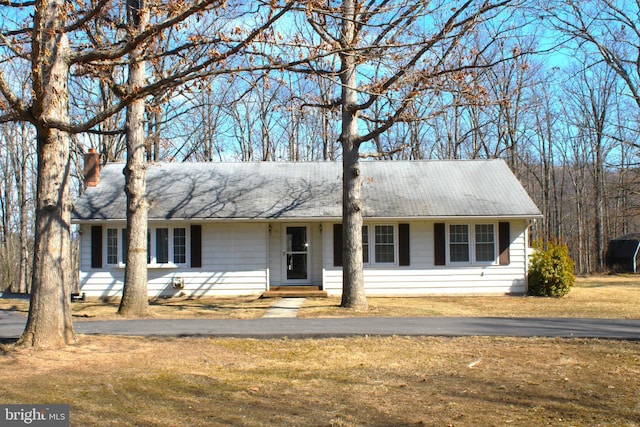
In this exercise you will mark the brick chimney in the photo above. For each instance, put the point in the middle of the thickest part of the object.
(91, 168)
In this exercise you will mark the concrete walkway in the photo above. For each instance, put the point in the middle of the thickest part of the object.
(284, 307)
(12, 325)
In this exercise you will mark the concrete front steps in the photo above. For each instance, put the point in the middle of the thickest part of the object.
(294, 292)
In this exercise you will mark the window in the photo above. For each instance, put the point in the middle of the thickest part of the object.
(165, 245)
(485, 243)
(385, 246)
(179, 245)
(381, 244)
(365, 244)
(162, 245)
(383, 249)
(112, 245)
(472, 247)
(459, 243)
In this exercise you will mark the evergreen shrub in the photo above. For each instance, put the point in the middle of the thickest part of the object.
(550, 270)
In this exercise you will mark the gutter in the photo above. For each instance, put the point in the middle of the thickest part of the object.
(531, 219)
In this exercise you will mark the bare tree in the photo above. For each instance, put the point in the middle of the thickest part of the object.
(415, 42)
(16, 162)
(134, 295)
(591, 99)
(544, 167)
(609, 28)
(43, 43)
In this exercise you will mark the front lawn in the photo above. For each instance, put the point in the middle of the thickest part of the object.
(596, 297)
(364, 381)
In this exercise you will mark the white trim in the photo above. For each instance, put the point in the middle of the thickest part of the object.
(151, 249)
(371, 229)
(285, 280)
(471, 229)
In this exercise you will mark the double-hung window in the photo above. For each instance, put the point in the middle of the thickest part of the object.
(378, 244)
(485, 242)
(165, 246)
(459, 243)
(365, 244)
(472, 243)
(385, 244)
(112, 246)
(180, 245)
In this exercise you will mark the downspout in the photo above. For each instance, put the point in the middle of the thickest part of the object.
(635, 254)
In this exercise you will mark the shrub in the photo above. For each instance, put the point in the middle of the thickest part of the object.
(550, 270)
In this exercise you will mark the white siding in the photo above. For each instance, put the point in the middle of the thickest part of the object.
(243, 258)
(234, 262)
(316, 254)
(423, 277)
(275, 254)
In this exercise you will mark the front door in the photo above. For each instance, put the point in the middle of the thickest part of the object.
(296, 254)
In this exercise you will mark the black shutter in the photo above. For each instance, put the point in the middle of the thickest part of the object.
(439, 244)
(96, 246)
(504, 240)
(196, 246)
(337, 245)
(403, 245)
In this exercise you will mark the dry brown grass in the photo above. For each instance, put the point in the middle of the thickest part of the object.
(382, 381)
(595, 297)
(392, 381)
(173, 308)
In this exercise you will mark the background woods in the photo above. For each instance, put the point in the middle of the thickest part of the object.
(556, 95)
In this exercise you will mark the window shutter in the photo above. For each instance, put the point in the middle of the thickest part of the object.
(504, 239)
(96, 246)
(403, 245)
(337, 245)
(439, 244)
(196, 246)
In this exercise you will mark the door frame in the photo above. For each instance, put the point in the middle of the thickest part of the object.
(285, 252)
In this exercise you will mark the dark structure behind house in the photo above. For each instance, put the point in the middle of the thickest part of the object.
(622, 254)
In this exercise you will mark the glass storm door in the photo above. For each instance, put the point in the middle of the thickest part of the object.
(297, 254)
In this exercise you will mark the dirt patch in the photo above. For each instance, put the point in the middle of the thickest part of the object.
(399, 381)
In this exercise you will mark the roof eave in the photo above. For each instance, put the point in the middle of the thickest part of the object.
(322, 218)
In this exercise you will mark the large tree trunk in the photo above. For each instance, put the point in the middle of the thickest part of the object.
(49, 323)
(134, 300)
(353, 295)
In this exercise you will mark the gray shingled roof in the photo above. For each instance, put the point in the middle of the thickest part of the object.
(305, 190)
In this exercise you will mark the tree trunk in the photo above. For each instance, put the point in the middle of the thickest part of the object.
(49, 323)
(8, 279)
(21, 165)
(353, 295)
(599, 208)
(134, 300)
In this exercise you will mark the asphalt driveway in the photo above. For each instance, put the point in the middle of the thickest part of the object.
(12, 324)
